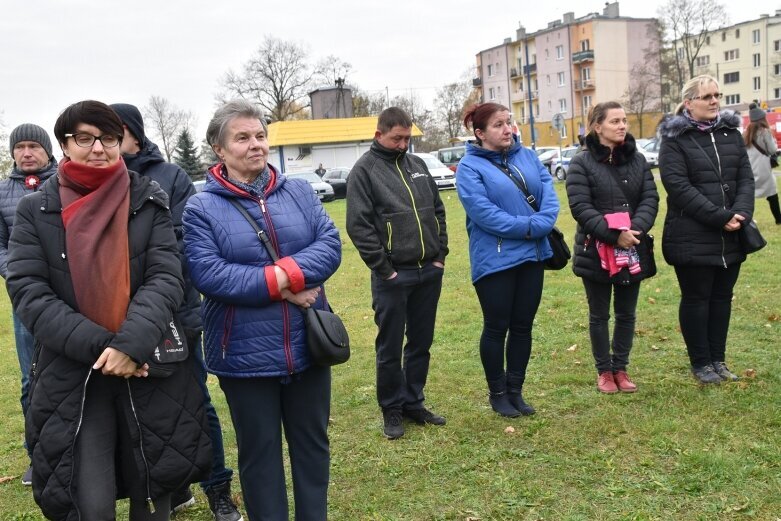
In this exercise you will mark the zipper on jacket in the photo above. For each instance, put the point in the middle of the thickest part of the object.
(390, 235)
(75, 437)
(415, 211)
(226, 330)
(149, 502)
(723, 196)
(498, 245)
(285, 312)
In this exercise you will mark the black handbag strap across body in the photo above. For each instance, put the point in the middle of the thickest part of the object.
(521, 184)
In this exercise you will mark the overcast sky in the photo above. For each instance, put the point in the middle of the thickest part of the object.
(56, 52)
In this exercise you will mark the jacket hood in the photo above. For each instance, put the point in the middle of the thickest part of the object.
(43, 174)
(619, 155)
(472, 148)
(678, 124)
(217, 184)
(148, 155)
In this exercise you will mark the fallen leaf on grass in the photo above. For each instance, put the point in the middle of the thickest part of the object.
(577, 362)
(658, 290)
(470, 518)
(768, 325)
(365, 317)
(6, 479)
(572, 347)
(774, 317)
(651, 300)
(750, 373)
(509, 429)
(654, 347)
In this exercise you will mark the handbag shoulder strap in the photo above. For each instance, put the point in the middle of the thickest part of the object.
(258, 230)
(761, 150)
(521, 184)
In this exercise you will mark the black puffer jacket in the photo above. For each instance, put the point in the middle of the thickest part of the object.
(11, 190)
(169, 444)
(179, 187)
(593, 190)
(698, 206)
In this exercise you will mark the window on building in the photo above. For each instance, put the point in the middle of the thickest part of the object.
(756, 60)
(585, 45)
(534, 58)
(559, 52)
(520, 86)
(537, 110)
(731, 77)
(679, 51)
(777, 45)
(490, 70)
(755, 36)
(731, 55)
(702, 61)
(499, 92)
(737, 33)
(547, 80)
(707, 40)
(498, 67)
(586, 102)
(756, 82)
(561, 79)
(491, 93)
(585, 73)
(732, 99)
(536, 85)
(723, 36)
(523, 114)
(777, 68)
(562, 105)
(550, 105)
(563, 132)
(777, 93)
(547, 54)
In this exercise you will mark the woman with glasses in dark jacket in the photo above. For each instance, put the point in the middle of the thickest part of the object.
(710, 195)
(613, 197)
(94, 274)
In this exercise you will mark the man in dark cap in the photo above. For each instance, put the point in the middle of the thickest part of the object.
(31, 149)
(144, 157)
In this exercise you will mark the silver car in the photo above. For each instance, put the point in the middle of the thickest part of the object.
(321, 188)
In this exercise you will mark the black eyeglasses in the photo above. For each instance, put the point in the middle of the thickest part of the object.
(709, 97)
(85, 140)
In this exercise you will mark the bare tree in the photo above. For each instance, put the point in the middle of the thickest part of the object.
(642, 94)
(449, 102)
(331, 70)
(167, 121)
(365, 104)
(689, 23)
(277, 78)
(433, 137)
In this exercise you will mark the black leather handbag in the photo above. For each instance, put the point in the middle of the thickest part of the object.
(326, 336)
(750, 238)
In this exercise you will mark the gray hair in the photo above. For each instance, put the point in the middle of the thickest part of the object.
(692, 88)
(215, 133)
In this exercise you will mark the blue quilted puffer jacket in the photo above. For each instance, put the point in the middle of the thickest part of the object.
(249, 331)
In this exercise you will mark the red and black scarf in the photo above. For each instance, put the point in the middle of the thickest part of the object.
(96, 207)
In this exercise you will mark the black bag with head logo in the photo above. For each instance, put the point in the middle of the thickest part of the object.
(170, 350)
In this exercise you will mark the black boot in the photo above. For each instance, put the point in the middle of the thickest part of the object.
(774, 209)
(499, 399)
(515, 392)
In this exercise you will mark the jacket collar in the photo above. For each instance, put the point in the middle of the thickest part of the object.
(43, 174)
(215, 183)
(678, 124)
(386, 153)
(618, 155)
(472, 148)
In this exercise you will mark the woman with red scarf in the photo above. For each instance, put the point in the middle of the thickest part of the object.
(93, 273)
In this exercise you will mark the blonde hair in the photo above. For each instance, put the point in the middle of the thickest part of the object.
(692, 88)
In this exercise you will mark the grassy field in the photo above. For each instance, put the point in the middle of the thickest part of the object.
(672, 451)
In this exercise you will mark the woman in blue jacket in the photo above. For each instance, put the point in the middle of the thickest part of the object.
(254, 332)
(507, 246)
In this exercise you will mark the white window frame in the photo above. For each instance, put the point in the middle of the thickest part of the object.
(756, 36)
(562, 79)
(559, 52)
(563, 105)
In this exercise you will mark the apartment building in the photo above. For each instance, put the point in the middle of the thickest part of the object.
(566, 68)
(746, 59)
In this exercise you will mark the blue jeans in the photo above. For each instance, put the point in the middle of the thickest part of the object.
(25, 346)
(219, 473)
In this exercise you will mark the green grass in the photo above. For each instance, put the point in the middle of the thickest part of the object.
(674, 450)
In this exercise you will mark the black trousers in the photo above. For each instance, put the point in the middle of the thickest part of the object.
(705, 309)
(406, 303)
(102, 434)
(260, 408)
(509, 300)
(624, 306)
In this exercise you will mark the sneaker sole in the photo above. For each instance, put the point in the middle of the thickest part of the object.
(27, 483)
(181, 506)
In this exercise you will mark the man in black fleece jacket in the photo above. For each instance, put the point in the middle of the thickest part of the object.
(396, 220)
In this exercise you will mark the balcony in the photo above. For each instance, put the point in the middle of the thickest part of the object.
(579, 85)
(513, 72)
(476, 82)
(530, 69)
(583, 56)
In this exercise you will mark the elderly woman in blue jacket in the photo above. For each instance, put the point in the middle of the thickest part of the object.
(254, 332)
(507, 246)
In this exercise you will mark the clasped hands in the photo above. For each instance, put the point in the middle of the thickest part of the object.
(735, 223)
(304, 298)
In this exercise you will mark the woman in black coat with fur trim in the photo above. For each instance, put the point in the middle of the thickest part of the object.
(613, 198)
(710, 195)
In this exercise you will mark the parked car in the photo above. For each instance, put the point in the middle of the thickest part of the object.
(443, 176)
(560, 164)
(546, 155)
(337, 178)
(451, 156)
(650, 152)
(321, 188)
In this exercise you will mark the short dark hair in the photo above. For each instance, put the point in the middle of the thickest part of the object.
(90, 112)
(393, 117)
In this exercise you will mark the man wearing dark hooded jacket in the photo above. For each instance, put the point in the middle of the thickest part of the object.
(396, 221)
(144, 157)
(34, 163)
